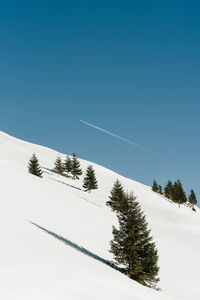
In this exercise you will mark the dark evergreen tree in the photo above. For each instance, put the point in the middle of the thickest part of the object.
(132, 244)
(168, 190)
(179, 195)
(90, 182)
(192, 198)
(155, 187)
(160, 190)
(68, 165)
(175, 198)
(76, 168)
(34, 167)
(58, 165)
(117, 197)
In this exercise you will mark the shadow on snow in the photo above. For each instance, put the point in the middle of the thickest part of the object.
(78, 248)
(53, 171)
(74, 187)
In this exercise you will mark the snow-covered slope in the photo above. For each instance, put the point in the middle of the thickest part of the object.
(61, 256)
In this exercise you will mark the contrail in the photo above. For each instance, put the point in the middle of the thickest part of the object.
(115, 135)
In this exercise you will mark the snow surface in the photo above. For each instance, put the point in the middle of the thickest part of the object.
(61, 256)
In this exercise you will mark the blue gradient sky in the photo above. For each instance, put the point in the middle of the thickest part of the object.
(130, 67)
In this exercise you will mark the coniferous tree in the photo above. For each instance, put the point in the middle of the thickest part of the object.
(160, 190)
(132, 244)
(76, 168)
(192, 198)
(90, 182)
(58, 165)
(155, 186)
(179, 195)
(34, 167)
(68, 165)
(168, 191)
(117, 197)
(175, 198)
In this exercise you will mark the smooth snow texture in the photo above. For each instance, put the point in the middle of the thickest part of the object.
(63, 257)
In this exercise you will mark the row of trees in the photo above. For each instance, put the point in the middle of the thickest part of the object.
(175, 192)
(70, 166)
(132, 245)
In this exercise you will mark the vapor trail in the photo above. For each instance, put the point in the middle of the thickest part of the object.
(113, 134)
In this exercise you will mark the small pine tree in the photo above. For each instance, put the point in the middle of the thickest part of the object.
(58, 165)
(76, 168)
(168, 190)
(192, 198)
(117, 197)
(90, 182)
(132, 244)
(155, 187)
(68, 165)
(160, 190)
(34, 167)
(179, 195)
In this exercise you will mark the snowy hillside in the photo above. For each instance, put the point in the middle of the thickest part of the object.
(61, 256)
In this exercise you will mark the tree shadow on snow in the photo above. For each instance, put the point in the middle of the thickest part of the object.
(74, 187)
(91, 202)
(53, 171)
(64, 175)
(79, 248)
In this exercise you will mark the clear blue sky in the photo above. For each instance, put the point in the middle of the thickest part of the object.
(131, 67)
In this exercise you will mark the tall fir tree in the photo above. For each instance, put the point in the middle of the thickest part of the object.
(132, 244)
(179, 195)
(117, 196)
(155, 186)
(160, 190)
(90, 181)
(34, 167)
(192, 198)
(58, 165)
(68, 165)
(169, 190)
(76, 168)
